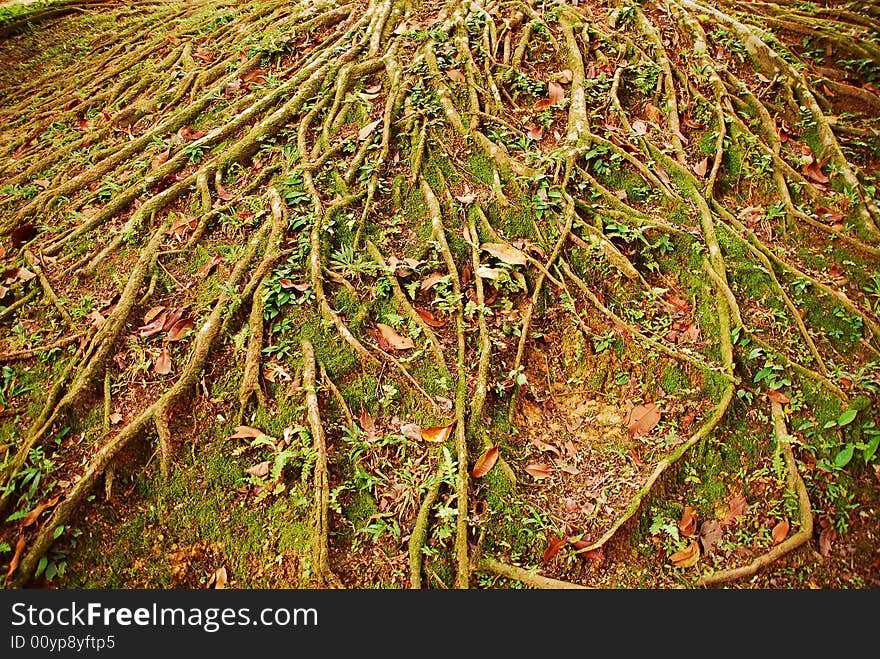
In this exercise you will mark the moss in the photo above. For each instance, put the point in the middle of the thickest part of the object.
(674, 380)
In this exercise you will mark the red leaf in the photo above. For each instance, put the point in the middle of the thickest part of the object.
(437, 434)
(246, 432)
(555, 92)
(429, 318)
(542, 104)
(163, 362)
(393, 339)
(206, 269)
(556, 543)
(642, 419)
(778, 397)
(688, 523)
(16, 557)
(814, 172)
(539, 470)
(485, 462)
(179, 329)
(35, 513)
(154, 327)
(173, 316)
(737, 507)
(596, 554)
(780, 532)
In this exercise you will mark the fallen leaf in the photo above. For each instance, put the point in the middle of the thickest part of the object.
(16, 557)
(539, 470)
(456, 76)
(710, 535)
(163, 362)
(32, 516)
(814, 172)
(688, 556)
(778, 397)
(505, 253)
(597, 554)
(437, 434)
(24, 274)
(115, 418)
(218, 580)
(97, 318)
(367, 130)
(555, 92)
(259, 470)
(737, 506)
(180, 329)
(153, 327)
(367, 424)
(780, 532)
(255, 75)
(826, 539)
(43, 182)
(701, 167)
(556, 543)
(429, 318)
(534, 132)
(541, 104)
(639, 127)
(394, 339)
(206, 269)
(688, 523)
(642, 419)
(152, 314)
(160, 159)
(485, 272)
(411, 431)
(485, 462)
(173, 316)
(565, 76)
(652, 112)
(246, 432)
(567, 468)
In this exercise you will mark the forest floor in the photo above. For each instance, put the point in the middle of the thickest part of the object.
(264, 285)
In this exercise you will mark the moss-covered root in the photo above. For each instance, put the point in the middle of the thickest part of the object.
(420, 532)
(250, 381)
(492, 566)
(192, 371)
(323, 575)
(797, 486)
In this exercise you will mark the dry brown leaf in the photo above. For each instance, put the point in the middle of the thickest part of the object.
(16, 557)
(25, 233)
(206, 269)
(411, 431)
(565, 76)
(115, 418)
(534, 132)
(456, 76)
(539, 470)
(179, 329)
(436, 434)
(505, 253)
(393, 339)
(367, 424)
(555, 93)
(246, 432)
(32, 516)
(153, 327)
(826, 539)
(736, 506)
(218, 580)
(686, 557)
(639, 127)
(778, 397)
(429, 318)
(367, 130)
(814, 172)
(173, 316)
(562, 465)
(163, 361)
(485, 462)
(642, 419)
(255, 75)
(556, 543)
(160, 159)
(152, 314)
(259, 470)
(780, 532)
(541, 104)
(701, 167)
(597, 554)
(688, 523)
(652, 112)
(710, 535)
